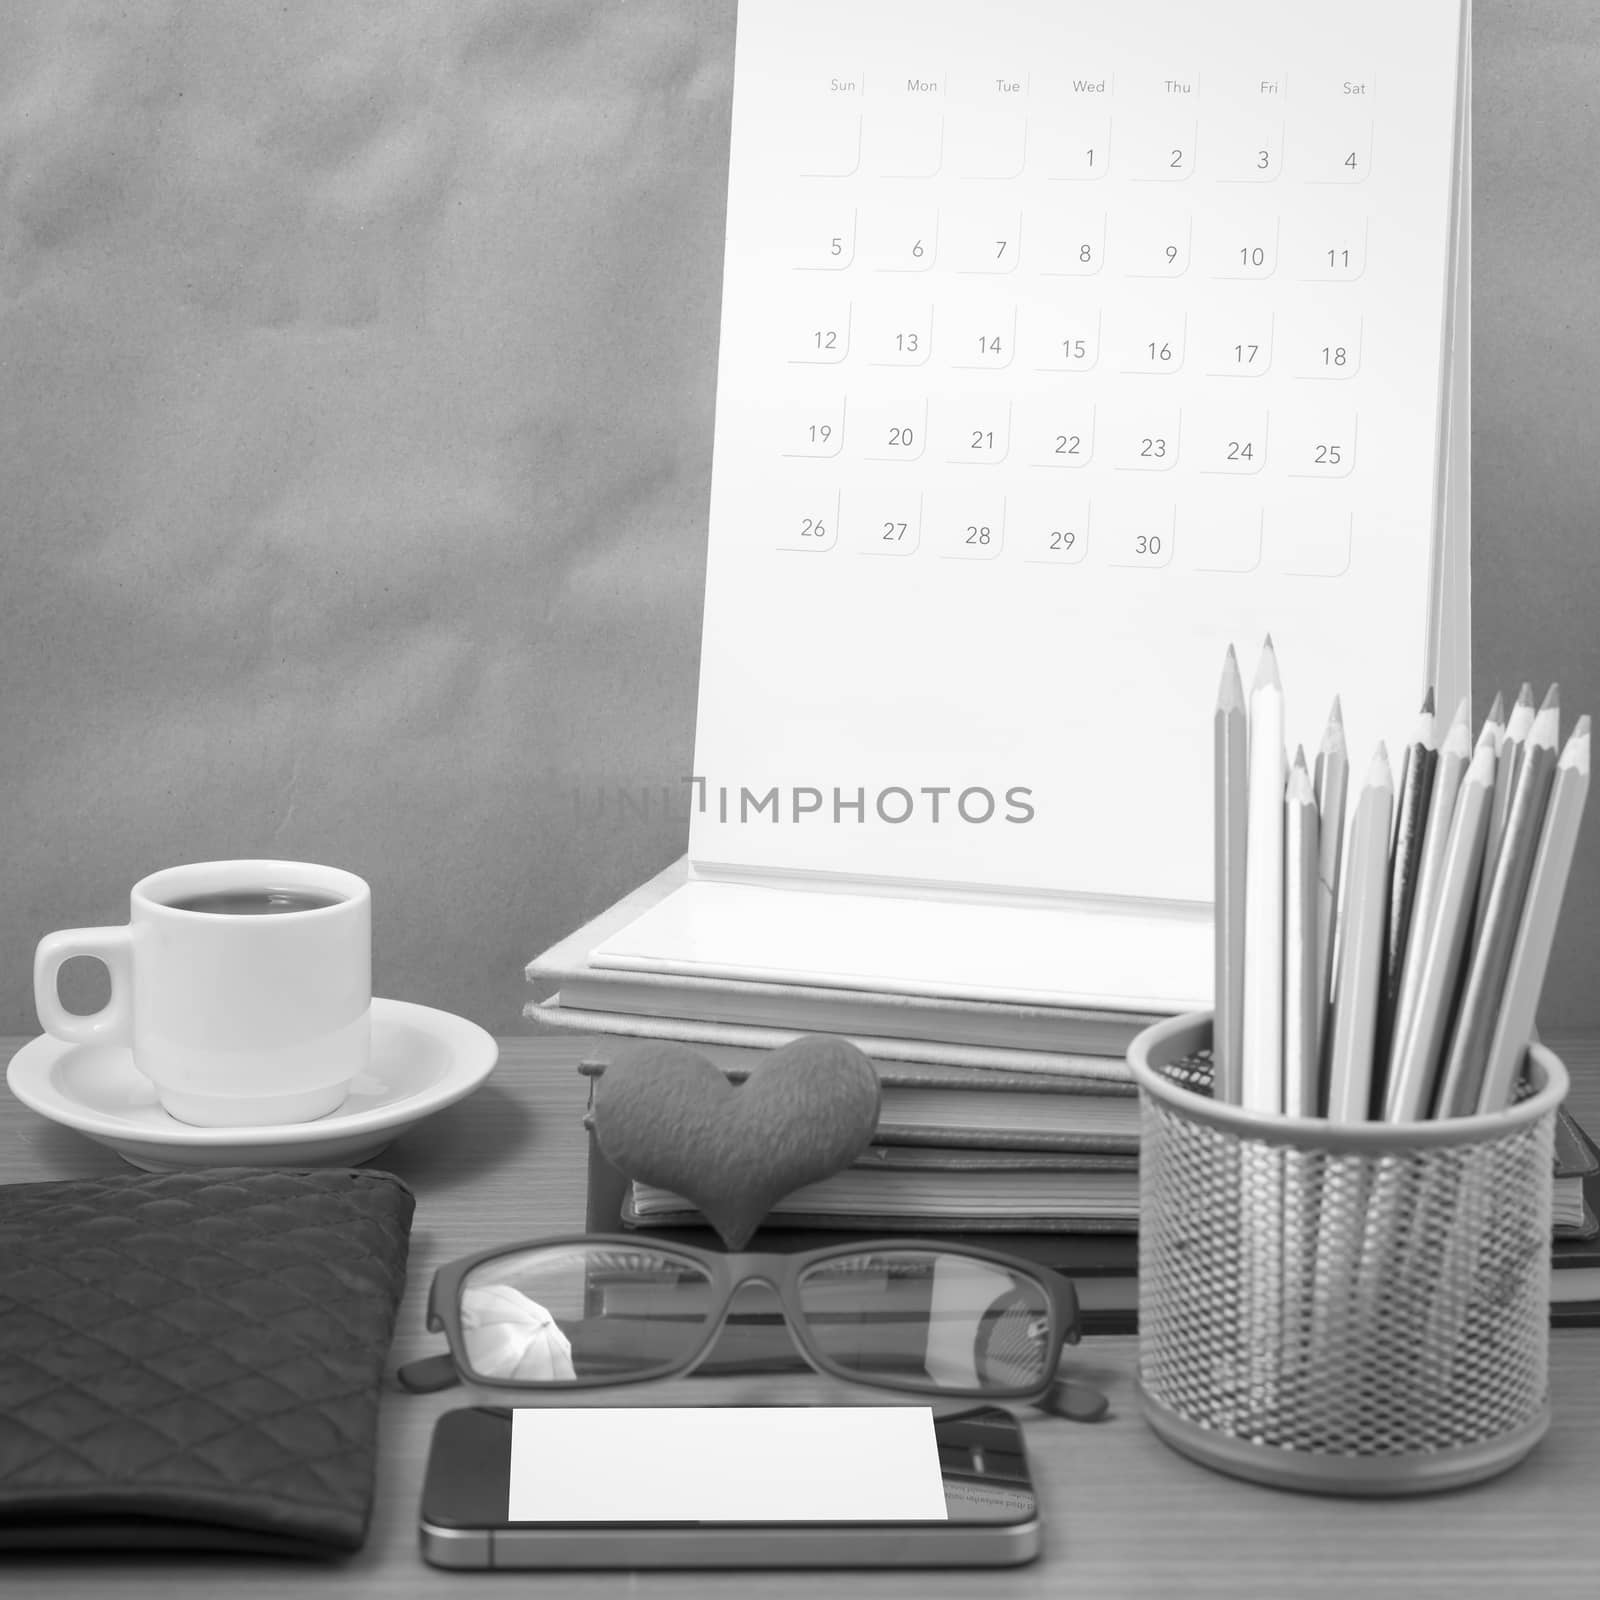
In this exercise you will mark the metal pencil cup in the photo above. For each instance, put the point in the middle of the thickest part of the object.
(1357, 1309)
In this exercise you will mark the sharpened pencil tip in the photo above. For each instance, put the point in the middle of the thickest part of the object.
(1230, 692)
(1576, 755)
(1333, 734)
(1463, 714)
(1521, 718)
(1380, 772)
(1267, 668)
(1300, 758)
(1546, 729)
(1427, 701)
(1552, 698)
(1497, 708)
(1298, 791)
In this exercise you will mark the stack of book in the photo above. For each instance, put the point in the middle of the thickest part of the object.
(1008, 1124)
(959, 1149)
(1575, 1258)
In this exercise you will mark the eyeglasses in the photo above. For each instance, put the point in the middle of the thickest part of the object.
(599, 1310)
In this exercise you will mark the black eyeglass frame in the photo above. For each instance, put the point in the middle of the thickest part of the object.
(780, 1272)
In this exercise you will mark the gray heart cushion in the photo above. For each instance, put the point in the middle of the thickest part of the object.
(664, 1115)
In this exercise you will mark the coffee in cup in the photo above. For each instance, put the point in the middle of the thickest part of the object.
(242, 988)
(248, 902)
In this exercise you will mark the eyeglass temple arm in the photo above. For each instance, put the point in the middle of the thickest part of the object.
(1066, 1298)
(428, 1375)
(1079, 1402)
(1067, 1397)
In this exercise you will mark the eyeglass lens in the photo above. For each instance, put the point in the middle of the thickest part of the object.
(922, 1318)
(951, 1321)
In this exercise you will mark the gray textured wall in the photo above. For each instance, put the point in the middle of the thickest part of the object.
(1536, 396)
(356, 374)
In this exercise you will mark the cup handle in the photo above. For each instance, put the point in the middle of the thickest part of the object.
(113, 1023)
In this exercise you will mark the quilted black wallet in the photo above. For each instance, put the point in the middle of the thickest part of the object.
(193, 1360)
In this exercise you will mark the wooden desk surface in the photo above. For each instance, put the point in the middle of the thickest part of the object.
(1123, 1514)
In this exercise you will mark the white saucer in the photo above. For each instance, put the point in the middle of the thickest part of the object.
(422, 1060)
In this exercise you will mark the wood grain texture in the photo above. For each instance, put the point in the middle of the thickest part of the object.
(1124, 1516)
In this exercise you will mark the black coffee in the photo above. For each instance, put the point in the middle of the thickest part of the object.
(256, 902)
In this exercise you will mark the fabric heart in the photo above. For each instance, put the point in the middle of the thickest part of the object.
(665, 1115)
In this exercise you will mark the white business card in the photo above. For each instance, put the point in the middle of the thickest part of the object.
(726, 1464)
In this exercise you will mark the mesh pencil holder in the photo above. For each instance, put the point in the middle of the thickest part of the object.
(1355, 1309)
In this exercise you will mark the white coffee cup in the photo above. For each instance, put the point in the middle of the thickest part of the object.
(238, 1019)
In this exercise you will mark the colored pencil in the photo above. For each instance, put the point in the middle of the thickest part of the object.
(1414, 1066)
(1530, 955)
(1410, 826)
(1231, 731)
(1300, 974)
(1507, 756)
(1495, 721)
(1261, 1071)
(1492, 734)
(1455, 751)
(1362, 924)
(1468, 1058)
(1331, 777)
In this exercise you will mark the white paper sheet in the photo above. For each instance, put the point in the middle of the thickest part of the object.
(1070, 953)
(1252, 363)
(726, 1464)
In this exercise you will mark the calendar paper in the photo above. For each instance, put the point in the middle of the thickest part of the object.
(1062, 346)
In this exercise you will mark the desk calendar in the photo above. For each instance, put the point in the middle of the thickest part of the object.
(1062, 345)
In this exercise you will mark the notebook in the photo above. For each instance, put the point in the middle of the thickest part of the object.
(1062, 345)
(976, 1107)
(934, 1191)
(609, 1029)
(949, 1028)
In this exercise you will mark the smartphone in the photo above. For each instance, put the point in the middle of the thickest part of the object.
(991, 1515)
